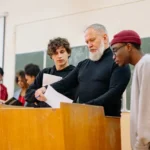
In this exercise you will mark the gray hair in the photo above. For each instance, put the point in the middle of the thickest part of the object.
(98, 27)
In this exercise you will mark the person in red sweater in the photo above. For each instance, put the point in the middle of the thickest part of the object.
(3, 89)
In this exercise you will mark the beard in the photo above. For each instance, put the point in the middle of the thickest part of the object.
(95, 56)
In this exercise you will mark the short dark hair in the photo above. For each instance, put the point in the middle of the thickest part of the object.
(1, 71)
(31, 69)
(56, 43)
(137, 46)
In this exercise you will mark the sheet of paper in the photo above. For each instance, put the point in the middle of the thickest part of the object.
(49, 79)
(54, 98)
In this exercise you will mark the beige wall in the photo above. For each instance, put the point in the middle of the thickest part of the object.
(115, 18)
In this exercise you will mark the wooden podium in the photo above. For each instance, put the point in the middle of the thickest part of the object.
(72, 127)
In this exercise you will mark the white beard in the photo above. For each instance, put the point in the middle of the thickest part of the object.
(95, 56)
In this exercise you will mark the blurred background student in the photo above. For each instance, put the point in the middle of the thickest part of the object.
(22, 84)
(3, 89)
(31, 71)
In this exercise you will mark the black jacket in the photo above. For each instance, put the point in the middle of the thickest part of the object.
(30, 98)
(100, 83)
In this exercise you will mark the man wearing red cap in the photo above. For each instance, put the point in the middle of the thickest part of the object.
(126, 48)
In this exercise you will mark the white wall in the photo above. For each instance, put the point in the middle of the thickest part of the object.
(72, 26)
(31, 23)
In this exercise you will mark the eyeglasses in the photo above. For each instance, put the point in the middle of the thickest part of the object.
(115, 50)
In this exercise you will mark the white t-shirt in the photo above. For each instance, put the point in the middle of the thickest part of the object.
(140, 105)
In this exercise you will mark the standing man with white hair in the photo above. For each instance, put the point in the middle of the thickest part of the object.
(101, 82)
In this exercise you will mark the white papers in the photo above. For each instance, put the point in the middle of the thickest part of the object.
(49, 79)
(54, 98)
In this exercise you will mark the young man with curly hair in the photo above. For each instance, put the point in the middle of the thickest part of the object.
(59, 51)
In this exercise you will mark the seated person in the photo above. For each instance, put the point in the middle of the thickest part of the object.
(22, 84)
(31, 71)
(3, 89)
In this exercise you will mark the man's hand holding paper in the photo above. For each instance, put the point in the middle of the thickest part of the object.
(54, 98)
(39, 94)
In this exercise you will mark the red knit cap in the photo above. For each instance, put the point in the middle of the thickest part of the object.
(126, 36)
